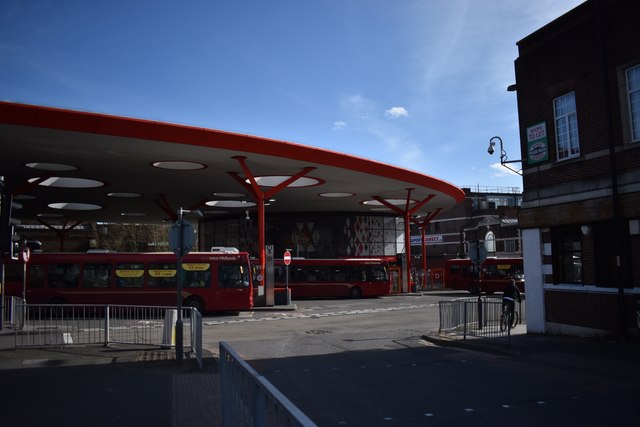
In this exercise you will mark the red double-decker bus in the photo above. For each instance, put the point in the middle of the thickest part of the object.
(350, 277)
(494, 274)
(211, 281)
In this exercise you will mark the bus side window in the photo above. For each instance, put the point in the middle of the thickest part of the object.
(36, 276)
(297, 274)
(279, 274)
(355, 273)
(232, 276)
(129, 275)
(197, 279)
(162, 275)
(339, 274)
(64, 275)
(96, 275)
(378, 274)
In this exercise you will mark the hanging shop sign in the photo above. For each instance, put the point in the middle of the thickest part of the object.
(537, 143)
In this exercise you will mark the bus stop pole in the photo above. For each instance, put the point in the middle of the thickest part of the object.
(179, 324)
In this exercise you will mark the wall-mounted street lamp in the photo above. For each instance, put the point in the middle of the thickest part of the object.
(503, 155)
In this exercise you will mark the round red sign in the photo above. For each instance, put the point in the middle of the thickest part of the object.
(287, 257)
(26, 253)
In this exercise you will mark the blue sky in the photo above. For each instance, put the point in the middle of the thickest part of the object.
(419, 84)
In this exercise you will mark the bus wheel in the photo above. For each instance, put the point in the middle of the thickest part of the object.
(196, 303)
(355, 292)
(474, 289)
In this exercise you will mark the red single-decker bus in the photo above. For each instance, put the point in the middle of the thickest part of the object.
(211, 281)
(350, 277)
(495, 273)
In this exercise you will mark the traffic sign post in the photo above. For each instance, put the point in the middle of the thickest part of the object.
(181, 240)
(477, 254)
(287, 260)
(25, 253)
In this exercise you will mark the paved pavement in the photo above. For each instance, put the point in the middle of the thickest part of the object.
(116, 386)
(128, 386)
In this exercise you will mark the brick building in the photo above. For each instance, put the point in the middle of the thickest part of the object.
(487, 215)
(578, 86)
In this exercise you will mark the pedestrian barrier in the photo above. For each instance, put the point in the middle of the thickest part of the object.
(59, 325)
(11, 311)
(476, 316)
(249, 399)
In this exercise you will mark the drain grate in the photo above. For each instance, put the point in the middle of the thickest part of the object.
(156, 356)
(317, 332)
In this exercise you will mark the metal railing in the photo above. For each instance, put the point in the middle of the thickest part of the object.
(249, 399)
(476, 316)
(59, 325)
(11, 311)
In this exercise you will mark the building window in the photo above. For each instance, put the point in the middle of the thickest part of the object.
(490, 242)
(510, 245)
(633, 86)
(567, 255)
(564, 110)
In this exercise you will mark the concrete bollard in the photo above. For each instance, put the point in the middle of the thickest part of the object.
(169, 331)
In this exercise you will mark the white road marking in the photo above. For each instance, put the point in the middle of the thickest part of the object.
(288, 316)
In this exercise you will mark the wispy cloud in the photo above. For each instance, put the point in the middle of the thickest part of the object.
(395, 112)
(389, 141)
(339, 125)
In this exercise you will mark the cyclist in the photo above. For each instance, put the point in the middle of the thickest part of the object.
(510, 295)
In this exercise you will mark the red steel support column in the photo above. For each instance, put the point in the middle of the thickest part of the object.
(260, 198)
(423, 230)
(423, 237)
(406, 215)
(407, 243)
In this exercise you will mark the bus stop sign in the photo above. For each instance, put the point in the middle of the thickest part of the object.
(182, 237)
(477, 252)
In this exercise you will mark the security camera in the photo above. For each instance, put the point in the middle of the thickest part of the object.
(491, 150)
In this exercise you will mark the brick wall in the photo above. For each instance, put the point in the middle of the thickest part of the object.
(585, 53)
(589, 309)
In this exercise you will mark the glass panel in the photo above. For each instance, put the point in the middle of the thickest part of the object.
(568, 144)
(36, 276)
(197, 275)
(378, 273)
(130, 275)
(633, 85)
(163, 275)
(568, 257)
(96, 275)
(64, 275)
(232, 276)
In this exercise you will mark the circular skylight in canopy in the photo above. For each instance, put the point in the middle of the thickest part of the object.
(51, 166)
(275, 180)
(178, 165)
(71, 206)
(67, 182)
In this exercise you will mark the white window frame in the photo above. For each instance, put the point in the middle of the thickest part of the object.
(633, 99)
(510, 245)
(566, 124)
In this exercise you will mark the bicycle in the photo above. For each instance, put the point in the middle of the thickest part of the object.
(508, 318)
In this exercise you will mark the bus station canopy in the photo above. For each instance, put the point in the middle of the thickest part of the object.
(62, 165)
